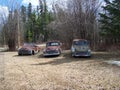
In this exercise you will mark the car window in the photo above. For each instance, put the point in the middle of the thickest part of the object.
(53, 44)
(80, 43)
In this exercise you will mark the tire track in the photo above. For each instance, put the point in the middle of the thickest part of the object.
(25, 75)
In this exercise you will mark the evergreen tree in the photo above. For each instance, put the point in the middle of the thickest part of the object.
(29, 33)
(110, 20)
(44, 19)
(36, 22)
(23, 13)
(29, 10)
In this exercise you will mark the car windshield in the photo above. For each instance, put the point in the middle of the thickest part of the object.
(79, 43)
(53, 44)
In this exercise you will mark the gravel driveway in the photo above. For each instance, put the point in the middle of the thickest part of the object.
(59, 73)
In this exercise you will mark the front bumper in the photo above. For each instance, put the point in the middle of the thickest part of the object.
(51, 53)
(24, 52)
(84, 54)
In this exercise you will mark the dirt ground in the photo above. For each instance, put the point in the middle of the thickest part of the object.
(59, 73)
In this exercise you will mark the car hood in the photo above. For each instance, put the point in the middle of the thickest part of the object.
(52, 47)
(26, 48)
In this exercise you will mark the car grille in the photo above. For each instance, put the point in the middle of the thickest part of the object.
(24, 51)
(52, 51)
(81, 53)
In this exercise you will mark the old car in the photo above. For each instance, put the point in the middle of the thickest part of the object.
(80, 47)
(52, 48)
(28, 49)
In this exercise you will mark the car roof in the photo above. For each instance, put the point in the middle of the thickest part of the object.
(53, 41)
(79, 40)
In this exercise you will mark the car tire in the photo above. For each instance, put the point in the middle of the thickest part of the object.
(33, 53)
(72, 54)
(59, 53)
(89, 56)
(19, 54)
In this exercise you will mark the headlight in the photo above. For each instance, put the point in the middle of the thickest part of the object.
(57, 49)
(73, 49)
(89, 50)
(44, 50)
(18, 49)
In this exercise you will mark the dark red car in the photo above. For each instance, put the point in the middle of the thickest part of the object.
(28, 48)
(52, 48)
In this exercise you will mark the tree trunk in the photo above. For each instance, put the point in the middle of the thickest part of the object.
(11, 45)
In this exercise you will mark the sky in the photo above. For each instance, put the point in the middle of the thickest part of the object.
(24, 2)
(5, 4)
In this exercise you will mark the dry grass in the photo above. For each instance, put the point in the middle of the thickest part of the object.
(60, 73)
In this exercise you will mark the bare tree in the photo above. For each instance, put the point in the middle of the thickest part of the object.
(11, 26)
(3, 18)
(76, 19)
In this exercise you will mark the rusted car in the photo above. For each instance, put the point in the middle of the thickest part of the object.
(28, 49)
(53, 48)
(80, 47)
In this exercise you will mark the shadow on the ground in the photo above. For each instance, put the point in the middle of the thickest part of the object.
(67, 58)
(21, 55)
(26, 55)
(52, 56)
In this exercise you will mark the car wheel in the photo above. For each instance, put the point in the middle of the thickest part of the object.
(59, 52)
(89, 56)
(19, 54)
(72, 54)
(33, 53)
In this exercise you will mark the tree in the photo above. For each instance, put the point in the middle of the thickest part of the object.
(44, 19)
(76, 19)
(36, 22)
(23, 24)
(110, 21)
(29, 24)
(23, 13)
(11, 31)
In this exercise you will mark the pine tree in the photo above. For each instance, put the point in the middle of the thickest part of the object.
(110, 20)
(45, 21)
(23, 13)
(36, 22)
(29, 33)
